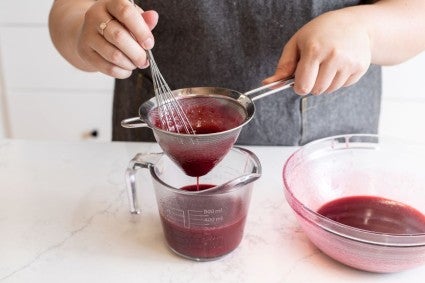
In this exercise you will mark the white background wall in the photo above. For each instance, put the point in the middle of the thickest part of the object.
(46, 98)
(3, 114)
(403, 107)
(56, 101)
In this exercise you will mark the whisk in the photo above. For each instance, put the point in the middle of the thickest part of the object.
(171, 114)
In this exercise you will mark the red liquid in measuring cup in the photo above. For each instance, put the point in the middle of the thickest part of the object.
(197, 187)
(375, 214)
(203, 242)
(206, 229)
(207, 116)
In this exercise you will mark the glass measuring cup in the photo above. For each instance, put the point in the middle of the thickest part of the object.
(206, 224)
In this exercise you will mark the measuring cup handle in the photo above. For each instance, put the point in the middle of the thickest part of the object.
(271, 88)
(130, 123)
(144, 161)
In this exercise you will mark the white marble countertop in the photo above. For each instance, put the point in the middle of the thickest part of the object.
(64, 218)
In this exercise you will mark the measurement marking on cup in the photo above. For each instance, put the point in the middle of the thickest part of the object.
(206, 217)
(213, 211)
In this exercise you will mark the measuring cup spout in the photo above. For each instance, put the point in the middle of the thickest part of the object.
(233, 184)
(139, 161)
(242, 180)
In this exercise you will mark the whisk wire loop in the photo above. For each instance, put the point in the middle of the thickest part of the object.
(171, 113)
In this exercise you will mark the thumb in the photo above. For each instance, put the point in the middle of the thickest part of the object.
(287, 62)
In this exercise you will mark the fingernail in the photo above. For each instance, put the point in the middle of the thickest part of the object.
(148, 43)
(144, 66)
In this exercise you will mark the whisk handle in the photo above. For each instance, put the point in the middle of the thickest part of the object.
(130, 123)
(272, 88)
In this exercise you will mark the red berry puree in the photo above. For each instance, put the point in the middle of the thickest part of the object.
(375, 214)
(205, 228)
(207, 116)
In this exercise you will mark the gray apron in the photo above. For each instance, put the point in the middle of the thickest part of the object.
(236, 44)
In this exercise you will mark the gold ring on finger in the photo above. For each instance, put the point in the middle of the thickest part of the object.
(103, 25)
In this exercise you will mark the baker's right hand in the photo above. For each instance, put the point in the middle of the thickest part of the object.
(114, 37)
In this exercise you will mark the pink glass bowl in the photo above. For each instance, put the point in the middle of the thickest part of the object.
(358, 165)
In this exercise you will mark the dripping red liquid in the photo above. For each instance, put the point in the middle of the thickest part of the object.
(196, 187)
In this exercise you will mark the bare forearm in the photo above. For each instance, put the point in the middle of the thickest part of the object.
(396, 29)
(65, 20)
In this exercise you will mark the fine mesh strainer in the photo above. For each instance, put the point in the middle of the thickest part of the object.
(216, 114)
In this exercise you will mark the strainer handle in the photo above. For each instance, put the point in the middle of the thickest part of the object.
(271, 87)
(140, 161)
(130, 123)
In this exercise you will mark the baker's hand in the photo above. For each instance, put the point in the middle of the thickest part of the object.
(330, 52)
(114, 36)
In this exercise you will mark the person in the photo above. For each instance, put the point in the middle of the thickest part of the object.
(333, 48)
